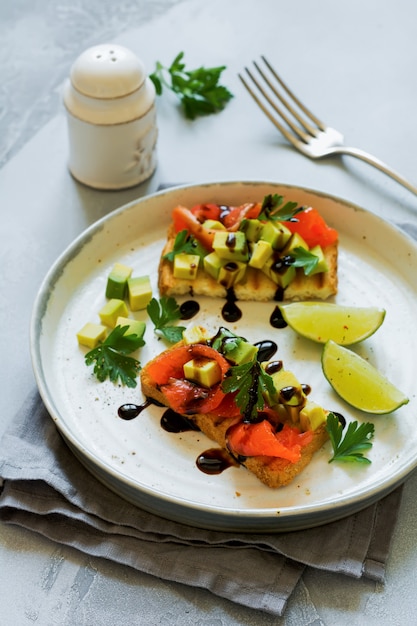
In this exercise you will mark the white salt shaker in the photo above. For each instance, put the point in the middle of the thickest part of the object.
(111, 114)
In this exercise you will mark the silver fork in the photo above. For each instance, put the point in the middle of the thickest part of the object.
(309, 135)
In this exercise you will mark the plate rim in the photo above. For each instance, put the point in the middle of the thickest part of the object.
(38, 311)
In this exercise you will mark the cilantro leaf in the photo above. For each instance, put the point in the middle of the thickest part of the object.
(186, 244)
(198, 90)
(272, 209)
(110, 358)
(305, 259)
(163, 312)
(251, 383)
(355, 441)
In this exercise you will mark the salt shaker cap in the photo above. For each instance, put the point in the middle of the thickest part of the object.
(107, 71)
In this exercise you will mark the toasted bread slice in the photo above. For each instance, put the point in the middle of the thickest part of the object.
(256, 286)
(272, 471)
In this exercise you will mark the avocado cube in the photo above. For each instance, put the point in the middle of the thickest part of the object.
(139, 291)
(204, 372)
(231, 246)
(279, 272)
(194, 334)
(261, 252)
(186, 265)
(117, 281)
(312, 416)
(276, 233)
(243, 353)
(252, 229)
(231, 273)
(91, 335)
(213, 225)
(296, 241)
(113, 309)
(289, 390)
(322, 264)
(134, 327)
(212, 264)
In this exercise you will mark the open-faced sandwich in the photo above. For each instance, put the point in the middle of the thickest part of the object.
(263, 251)
(257, 411)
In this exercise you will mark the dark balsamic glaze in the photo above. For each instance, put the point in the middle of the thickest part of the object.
(306, 388)
(266, 349)
(188, 309)
(129, 410)
(230, 311)
(173, 422)
(273, 367)
(341, 418)
(279, 294)
(214, 461)
(276, 320)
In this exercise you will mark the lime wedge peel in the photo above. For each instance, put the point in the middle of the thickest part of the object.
(358, 382)
(324, 321)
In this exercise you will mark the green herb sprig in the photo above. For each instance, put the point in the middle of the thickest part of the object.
(251, 383)
(305, 259)
(110, 358)
(273, 209)
(198, 90)
(184, 244)
(162, 314)
(355, 441)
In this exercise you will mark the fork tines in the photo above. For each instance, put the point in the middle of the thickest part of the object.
(266, 87)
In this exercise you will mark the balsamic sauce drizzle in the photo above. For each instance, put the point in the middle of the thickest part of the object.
(230, 311)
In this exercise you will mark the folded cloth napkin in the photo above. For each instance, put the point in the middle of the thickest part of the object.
(46, 489)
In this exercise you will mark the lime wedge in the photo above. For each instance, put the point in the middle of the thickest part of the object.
(358, 382)
(324, 321)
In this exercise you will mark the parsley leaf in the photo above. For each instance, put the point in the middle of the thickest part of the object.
(225, 341)
(184, 243)
(271, 209)
(251, 383)
(161, 314)
(110, 357)
(354, 443)
(305, 259)
(198, 90)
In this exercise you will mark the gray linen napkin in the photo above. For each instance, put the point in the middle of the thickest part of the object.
(44, 488)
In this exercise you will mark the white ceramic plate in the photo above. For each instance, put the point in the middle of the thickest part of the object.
(157, 470)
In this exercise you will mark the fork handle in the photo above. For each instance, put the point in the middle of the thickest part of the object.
(380, 165)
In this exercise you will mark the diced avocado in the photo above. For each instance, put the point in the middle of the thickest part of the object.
(113, 309)
(91, 335)
(213, 225)
(231, 273)
(279, 271)
(276, 233)
(296, 241)
(312, 416)
(139, 291)
(194, 334)
(231, 246)
(261, 252)
(289, 389)
(186, 265)
(322, 264)
(212, 264)
(252, 229)
(242, 353)
(135, 327)
(117, 281)
(204, 372)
